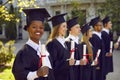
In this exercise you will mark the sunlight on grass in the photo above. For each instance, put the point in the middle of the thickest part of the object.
(6, 73)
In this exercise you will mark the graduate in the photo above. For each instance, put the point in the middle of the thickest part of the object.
(108, 41)
(28, 61)
(89, 70)
(74, 32)
(57, 48)
(97, 43)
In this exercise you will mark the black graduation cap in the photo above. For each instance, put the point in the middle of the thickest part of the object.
(85, 28)
(58, 19)
(72, 22)
(94, 21)
(106, 20)
(35, 14)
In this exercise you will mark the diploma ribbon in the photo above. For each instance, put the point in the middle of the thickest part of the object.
(71, 51)
(88, 55)
(86, 58)
(40, 61)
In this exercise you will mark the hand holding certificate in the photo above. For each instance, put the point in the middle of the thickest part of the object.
(72, 51)
(111, 46)
(43, 56)
(84, 54)
(96, 59)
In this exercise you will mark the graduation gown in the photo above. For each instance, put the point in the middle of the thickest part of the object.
(75, 69)
(109, 60)
(59, 56)
(97, 43)
(26, 61)
(88, 72)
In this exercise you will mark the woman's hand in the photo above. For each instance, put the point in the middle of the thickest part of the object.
(42, 71)
(116, 45)
(83, 62)
(95, 62)
(71, 62)
(108, 54)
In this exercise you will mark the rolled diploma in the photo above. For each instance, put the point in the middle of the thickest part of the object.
(84, 51)
(118, 39)
(72, 49)
(98, 54)
(111, 46)
(43, 53)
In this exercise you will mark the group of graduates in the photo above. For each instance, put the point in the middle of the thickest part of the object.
(67, 58)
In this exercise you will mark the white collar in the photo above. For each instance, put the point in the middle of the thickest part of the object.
(61, 40)
(98, 34)
(75, 39)
(106, 30)
(35, 46)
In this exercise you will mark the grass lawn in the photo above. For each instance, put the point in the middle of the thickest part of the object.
(6, 73)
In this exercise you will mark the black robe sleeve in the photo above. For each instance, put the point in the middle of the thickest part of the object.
(98, 44)
(109, 60)
(25, 62)
(75, 69)
(59, 56)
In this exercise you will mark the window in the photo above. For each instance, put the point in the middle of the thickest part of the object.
(57, 12)
(81, 14)
(0, 30)
(1, 1)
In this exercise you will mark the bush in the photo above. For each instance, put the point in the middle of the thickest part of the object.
(6, 52)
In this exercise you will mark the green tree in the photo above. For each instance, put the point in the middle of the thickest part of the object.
(6, 52)
(10, 29)
(4, 13)
(112, 9)
(76, 11)
(27, 4)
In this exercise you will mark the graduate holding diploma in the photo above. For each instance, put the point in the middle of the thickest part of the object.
(29, 63)
(74, 47)
(108, 41)
(57, 48)
(97, 42)
(89, 70)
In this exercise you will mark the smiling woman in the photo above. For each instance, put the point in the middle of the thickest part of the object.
(57, 48)
(36, 30)
(28, 64)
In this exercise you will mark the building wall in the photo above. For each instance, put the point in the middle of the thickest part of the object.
(56, 6)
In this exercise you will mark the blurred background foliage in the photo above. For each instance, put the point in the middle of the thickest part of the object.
(6, 52)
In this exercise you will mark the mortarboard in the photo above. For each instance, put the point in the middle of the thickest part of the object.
(106, 20)
(94, 21)
(35, 14)
(85, 28)
(72, 22)
(58, 19)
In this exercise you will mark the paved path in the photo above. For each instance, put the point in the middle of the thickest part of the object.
(116, 74)
(19, 44)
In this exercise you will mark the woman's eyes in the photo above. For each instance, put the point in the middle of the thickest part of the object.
(64, 26)
(33, 26)
(40, 27)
